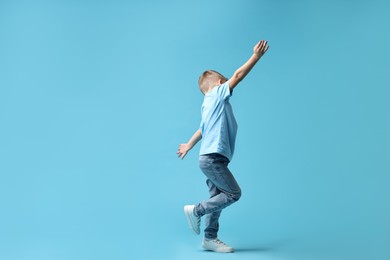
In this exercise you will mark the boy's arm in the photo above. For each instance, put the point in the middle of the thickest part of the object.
(184, 148)
(260, 48)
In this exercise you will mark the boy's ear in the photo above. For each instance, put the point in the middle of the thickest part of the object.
(221, 81)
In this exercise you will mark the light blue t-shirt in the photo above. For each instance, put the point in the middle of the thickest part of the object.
(218, 125)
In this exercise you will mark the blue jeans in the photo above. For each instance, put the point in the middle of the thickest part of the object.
(223, 190)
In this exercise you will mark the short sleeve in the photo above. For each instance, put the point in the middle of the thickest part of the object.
(224, 91)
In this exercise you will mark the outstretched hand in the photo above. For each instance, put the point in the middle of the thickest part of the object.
(184, 148)
(182, 151)
(260, 48)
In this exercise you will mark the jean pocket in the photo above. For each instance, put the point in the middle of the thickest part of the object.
(205, 161)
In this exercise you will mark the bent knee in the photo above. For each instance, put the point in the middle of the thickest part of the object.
(236, 195)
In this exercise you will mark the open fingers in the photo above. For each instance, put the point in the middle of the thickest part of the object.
(261, 47)
(259, 44)
(264, 47)
(182, 155)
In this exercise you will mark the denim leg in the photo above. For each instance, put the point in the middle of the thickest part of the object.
(211, 219)
(214, 166)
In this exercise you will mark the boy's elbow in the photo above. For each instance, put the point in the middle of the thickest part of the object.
(238, 76)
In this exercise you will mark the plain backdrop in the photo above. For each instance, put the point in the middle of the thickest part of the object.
(96, 96)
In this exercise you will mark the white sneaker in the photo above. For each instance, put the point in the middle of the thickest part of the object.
(193, 221)
(216, 245)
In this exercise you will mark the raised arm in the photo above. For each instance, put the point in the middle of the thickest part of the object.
(184, 148)
(260, 48)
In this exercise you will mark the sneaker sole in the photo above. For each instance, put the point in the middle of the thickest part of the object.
(212, 250)
(191, 224)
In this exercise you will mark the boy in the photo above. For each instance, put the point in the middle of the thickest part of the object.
(218, 130)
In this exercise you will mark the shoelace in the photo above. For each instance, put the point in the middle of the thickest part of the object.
(220, 242)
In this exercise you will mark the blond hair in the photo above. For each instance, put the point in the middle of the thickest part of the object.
(208, 78)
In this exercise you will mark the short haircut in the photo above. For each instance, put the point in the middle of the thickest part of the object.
(208, 78)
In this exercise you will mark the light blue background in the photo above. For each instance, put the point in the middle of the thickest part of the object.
(96, 96)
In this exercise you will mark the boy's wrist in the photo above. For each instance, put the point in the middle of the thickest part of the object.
(257, 55)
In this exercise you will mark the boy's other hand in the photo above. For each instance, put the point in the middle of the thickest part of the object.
(183, 150)
(260, 48)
